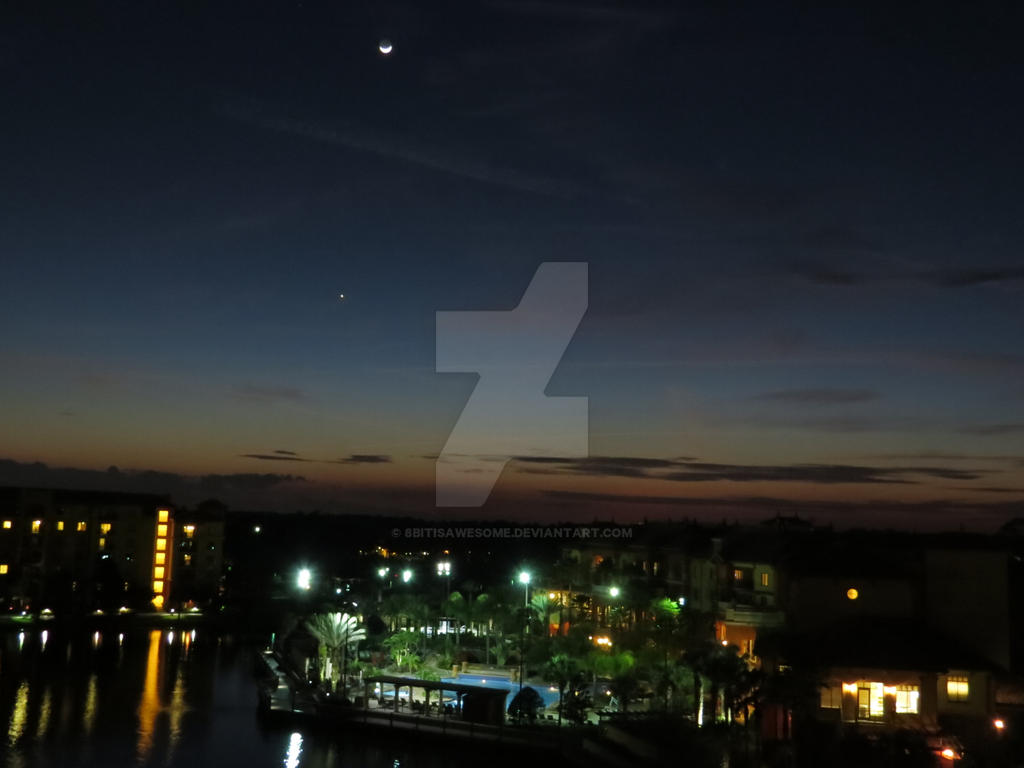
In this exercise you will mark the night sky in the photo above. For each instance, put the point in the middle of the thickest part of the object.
(803, 227)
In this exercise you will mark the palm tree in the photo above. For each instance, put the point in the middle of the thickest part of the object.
(402, 646)
(482, 612)
(564, 671)
(336, 632)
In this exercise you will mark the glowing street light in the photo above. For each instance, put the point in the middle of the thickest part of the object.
(406, 576)
(524, 579)
(382, 572)
(304, 580)
(614, 591)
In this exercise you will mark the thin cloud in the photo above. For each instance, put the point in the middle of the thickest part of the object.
(401, 148)
(942, 456)
(271, 457)
(269, 395)
(150, 481)
(691, 471)
(822, 274)
(286, 453)
(364, 458)
(594, 11)
(989, 430)
(819, 396)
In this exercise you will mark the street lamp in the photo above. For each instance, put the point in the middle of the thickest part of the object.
(444, 568)
(304, 579)
(382, 572)
(524, 579)
(614, 591)
(406, 576)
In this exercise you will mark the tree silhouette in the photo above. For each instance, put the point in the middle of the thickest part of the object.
(337, 632)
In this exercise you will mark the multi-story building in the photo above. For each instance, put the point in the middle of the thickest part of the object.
(88, 550)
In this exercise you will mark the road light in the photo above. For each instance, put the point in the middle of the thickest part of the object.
(304, 579)
(614, 591)
(524, 579)
(382, 572)
(444, 569)
(406, 576)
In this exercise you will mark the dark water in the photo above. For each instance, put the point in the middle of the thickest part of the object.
(169, 698)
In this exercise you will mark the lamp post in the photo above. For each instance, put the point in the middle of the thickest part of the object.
(444, 569)
(524, 579)
(613, 592)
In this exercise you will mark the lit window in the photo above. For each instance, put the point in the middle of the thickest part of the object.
(161, 530)
(7, 524)
(957, 689)
(161, 545)
(162, 515)
(60, 525)
(764, 578)
(907, 697)
(80, 525)
(831, 697)
(103, 543)
(158, 572)
(158, 601)
(158, 586)
(190, 531)
(161, 558)
(3, 568)
(870, 701)
(737, 574)
(187, 559)
(37, 526)
(105, 528)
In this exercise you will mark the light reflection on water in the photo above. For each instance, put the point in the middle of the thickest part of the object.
(129, 697)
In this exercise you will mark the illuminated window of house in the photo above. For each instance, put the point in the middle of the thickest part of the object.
(105, 528)
(187, 559)
(7, 524)
(80, 525)
(161, 545)
(37, 525)
(190, 531)
(161, 516)
(161, 558)
(158, 572)
(957, 689)
(831, 697)
(102, 543)
(737, 574)
(60, 525)
(870, 701)
(764, 578)
(907, 697)
(158, 586)
(161, 530)
(3, 568)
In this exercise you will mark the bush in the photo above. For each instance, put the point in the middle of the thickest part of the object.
(526, 703)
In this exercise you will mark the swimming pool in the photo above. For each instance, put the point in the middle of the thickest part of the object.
(547, 692)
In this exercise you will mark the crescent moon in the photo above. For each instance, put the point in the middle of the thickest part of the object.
(385, 47)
